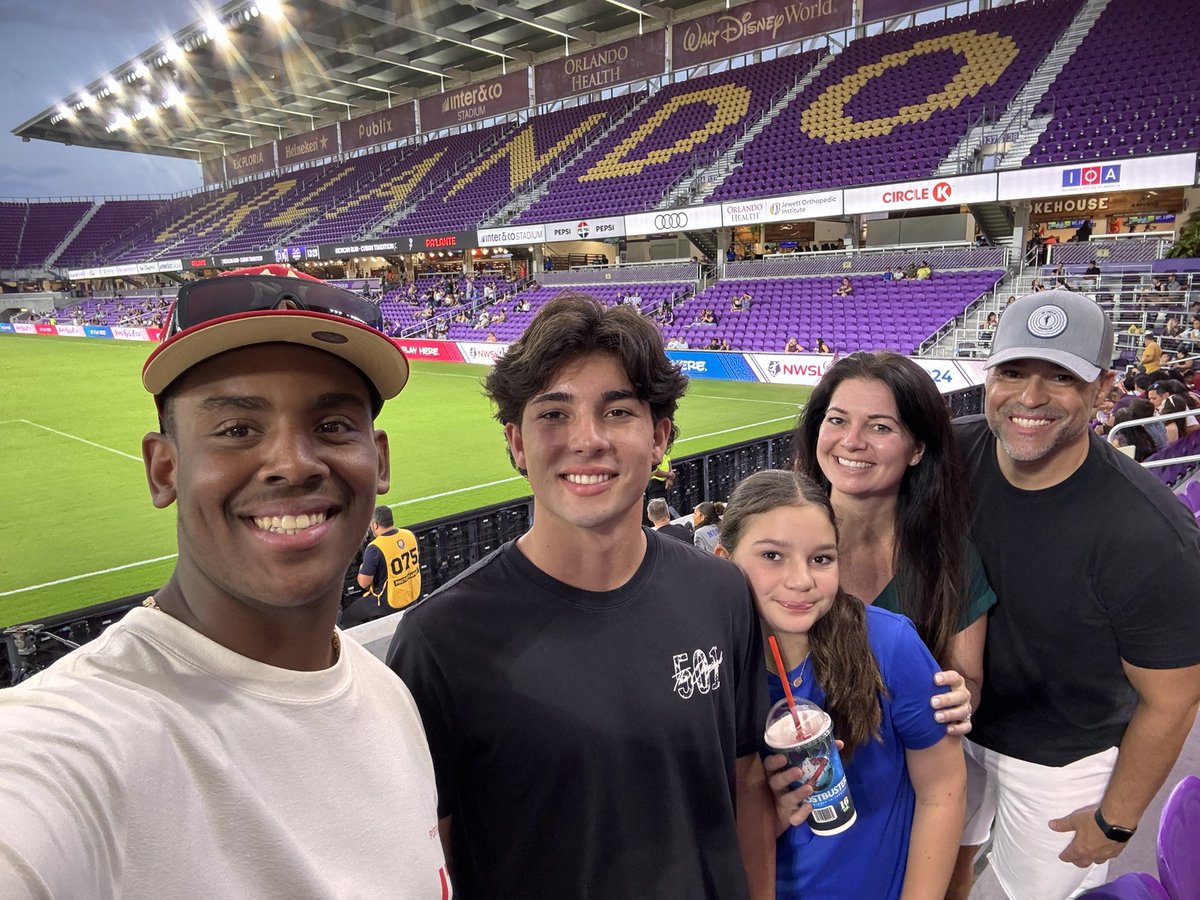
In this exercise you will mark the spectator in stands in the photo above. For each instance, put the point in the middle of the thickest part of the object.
(713, 344)
(1093, 270)
(989, 326)
(677, 343)
(735, 304)
(725, 345)
(706, 521)
(1150, 360)
(1037, 286)
(390, 574)
(233, 677)
(708, 317)
(923, 270)
(822, 347)
(1092, 674)
(793, 346)
(845, 289)
(660, 519)
(1176, 428)
(491, 337)
(1134, 436)
(1011, 299)
(523, 305)
(500, 316)
(586, 397)
(485, 319)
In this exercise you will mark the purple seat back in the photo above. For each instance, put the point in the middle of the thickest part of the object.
(1130, 886)
(1179, 841)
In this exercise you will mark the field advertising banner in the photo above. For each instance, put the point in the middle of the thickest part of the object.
(710, 364)
(482, 353)
(586, 229)
(379, 127)
(434, 351)
(632, 59)
(250, 162)
(753, 26)
(475, 101)
(311, 145)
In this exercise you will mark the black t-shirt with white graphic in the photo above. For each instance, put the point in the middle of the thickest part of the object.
(584, 743)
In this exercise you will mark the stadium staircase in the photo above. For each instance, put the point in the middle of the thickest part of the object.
(949, 341)
(696, 187)
(1024, 119)
(66, 242)
(534, 189)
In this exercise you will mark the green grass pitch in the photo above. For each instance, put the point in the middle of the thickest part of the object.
(77, 526)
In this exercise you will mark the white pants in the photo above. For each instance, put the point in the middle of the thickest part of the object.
(1020, 798)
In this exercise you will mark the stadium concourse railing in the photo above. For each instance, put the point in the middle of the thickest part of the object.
(449, 546)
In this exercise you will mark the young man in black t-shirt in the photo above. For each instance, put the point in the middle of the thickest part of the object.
(1092, 663)
(593, 692)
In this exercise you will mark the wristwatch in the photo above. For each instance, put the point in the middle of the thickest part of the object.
(1114, 832)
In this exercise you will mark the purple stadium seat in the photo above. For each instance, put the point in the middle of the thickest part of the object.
(1179, 841)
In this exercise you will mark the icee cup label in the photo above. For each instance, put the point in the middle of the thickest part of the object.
(812, 749)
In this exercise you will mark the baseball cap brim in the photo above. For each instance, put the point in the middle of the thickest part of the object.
(370, 351)
(1076, 365)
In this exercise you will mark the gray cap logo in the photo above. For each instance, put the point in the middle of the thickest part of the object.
(1047, 321)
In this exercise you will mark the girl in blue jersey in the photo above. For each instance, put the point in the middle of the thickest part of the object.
(870, 671)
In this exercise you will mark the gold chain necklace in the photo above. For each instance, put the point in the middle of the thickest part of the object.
(150, 603)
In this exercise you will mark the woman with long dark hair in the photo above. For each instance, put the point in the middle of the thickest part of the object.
(876, 435)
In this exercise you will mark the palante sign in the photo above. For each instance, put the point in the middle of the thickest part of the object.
(753, 26)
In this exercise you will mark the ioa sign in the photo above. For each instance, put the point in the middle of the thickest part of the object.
(1092, 176)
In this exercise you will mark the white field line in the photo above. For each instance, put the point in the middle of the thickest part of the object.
(462, 490)
(73, 437)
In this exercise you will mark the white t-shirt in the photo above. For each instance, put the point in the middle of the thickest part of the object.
(154, 762)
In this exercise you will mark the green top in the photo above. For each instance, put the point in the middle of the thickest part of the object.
(980, 596)
(663, 469)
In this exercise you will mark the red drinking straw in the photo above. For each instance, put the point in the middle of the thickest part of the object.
(787, 688)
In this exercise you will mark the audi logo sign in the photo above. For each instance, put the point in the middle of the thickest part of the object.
(674, 220)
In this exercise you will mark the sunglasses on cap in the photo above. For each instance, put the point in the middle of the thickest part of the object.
(203, 301)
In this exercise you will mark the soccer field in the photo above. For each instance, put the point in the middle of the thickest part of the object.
(78, 528)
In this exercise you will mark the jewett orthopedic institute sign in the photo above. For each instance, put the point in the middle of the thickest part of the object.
(475, 101)
(762, 23)
(638, 57)
(379, 127)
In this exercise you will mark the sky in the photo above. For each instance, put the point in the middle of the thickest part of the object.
(50, 49)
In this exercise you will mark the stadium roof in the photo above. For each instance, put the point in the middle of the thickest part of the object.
(257, 70)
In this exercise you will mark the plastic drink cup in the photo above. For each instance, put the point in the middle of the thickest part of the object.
(813, 750)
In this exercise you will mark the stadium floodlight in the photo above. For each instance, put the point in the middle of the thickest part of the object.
(140, 71)
(63, 113)
(272, 9)
(173, 96)
(172, 50)
(86, 99)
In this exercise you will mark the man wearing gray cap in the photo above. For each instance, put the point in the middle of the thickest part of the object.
(1092, 663)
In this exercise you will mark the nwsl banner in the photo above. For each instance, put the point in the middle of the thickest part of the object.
(603, 67)
(379, 127)
(475, 101)
(762, 23)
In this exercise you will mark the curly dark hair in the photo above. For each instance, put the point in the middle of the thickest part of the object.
(574, 325)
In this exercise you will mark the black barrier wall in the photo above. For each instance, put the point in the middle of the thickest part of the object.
(448, 545)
